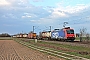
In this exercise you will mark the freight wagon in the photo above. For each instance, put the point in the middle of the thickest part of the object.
(44, 35)
(25, 35)
(32, 35)
(20, 35)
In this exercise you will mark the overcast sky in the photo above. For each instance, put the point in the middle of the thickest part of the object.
(18, 16)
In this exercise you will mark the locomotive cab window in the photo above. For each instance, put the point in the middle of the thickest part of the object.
(70, 31)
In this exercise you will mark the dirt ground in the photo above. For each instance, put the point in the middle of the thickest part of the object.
(11, 50)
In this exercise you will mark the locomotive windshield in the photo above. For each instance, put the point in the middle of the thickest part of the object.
(70, 31)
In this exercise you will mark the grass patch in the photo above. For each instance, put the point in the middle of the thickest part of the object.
(81, 48)
(77, 54)
(69, 47)
(77, 38)
(5, 38)
(74, 50)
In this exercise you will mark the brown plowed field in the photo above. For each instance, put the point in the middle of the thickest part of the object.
(11, 50)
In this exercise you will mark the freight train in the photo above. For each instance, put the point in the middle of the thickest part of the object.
(66, 33)
(30, 35)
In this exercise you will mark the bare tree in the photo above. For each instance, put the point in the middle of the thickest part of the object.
(82, 33)
(5, 35)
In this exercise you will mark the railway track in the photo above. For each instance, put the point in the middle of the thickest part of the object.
(53, 52)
